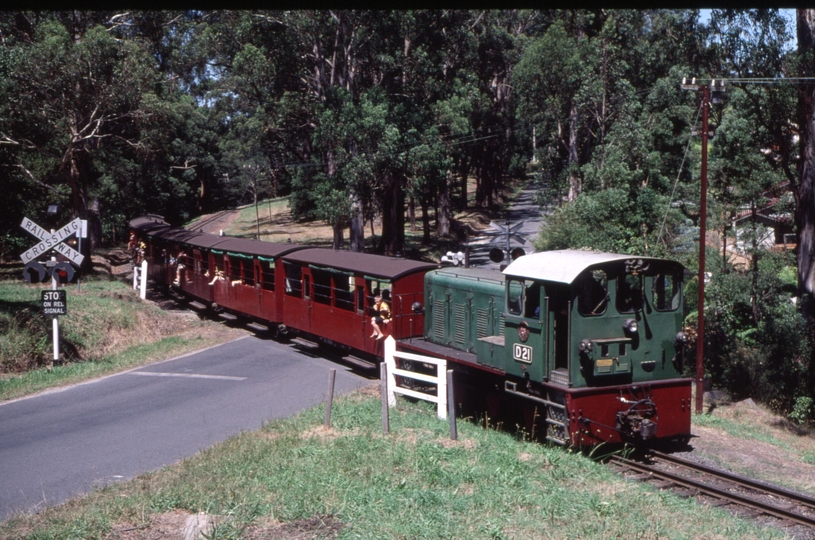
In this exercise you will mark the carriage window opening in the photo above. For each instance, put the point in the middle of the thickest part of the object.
(604, 350)
(592, 293)
(204, 261)
(344, 291)
(622, 350)
(322, 286)
(307, 286)
(378, 287)
(515, 296)
(267, 275)
(666, 290)
(294, 285)
(629, 293)
(219, 262)
(234, 268)
(249, 272)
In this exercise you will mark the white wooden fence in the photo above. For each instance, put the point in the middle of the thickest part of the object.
(440, 380)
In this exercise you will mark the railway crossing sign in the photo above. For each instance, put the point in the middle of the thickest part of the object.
(54, 240)
(505, 233)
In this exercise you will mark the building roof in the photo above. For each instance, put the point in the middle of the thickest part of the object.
(563, 266)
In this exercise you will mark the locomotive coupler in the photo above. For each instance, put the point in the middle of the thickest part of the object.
(636, 422)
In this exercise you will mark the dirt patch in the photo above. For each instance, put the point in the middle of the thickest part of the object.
(175, 525)
(785, 455)
(322, 526)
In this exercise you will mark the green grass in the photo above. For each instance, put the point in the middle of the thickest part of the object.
(411, 483)
(107, 329)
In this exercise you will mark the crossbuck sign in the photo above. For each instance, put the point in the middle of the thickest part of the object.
(52, 240)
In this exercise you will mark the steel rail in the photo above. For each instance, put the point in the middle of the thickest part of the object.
(801, 499)
(718, 493)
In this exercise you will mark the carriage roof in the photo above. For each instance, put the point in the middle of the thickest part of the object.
(360, 263)
(564, 266)
(155, 226)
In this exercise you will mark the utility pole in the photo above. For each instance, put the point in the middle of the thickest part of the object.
(700, 331)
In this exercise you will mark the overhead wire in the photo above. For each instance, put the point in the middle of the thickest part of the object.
(676, 182)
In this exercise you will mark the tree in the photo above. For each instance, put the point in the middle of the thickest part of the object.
(67, 93)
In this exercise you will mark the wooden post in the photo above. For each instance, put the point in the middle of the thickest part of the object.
(383, 387)
(331, 376)
(451, 406)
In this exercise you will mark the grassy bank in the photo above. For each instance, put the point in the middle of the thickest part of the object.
(297, 479)
(108, 328)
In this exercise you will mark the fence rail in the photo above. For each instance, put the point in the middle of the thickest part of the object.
(440, 380)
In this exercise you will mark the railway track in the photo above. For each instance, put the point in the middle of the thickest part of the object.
(721, 488)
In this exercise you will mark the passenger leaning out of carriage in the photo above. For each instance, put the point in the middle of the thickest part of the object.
(382, 315)
(180, 260)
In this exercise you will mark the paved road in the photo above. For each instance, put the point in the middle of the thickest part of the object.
(523, 209)
(63, 443)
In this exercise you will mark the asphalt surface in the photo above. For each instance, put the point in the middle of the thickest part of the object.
(524, 212)
(56, 445)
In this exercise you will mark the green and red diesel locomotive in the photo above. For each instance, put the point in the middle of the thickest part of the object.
(589, 343)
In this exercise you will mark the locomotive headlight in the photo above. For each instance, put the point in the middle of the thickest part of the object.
(584, 346)
(630, 326)
(417, 308)
(680, 339)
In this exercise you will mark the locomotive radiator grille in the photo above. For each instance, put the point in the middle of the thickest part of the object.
(459, 321)
(481, 323)
(438, 320)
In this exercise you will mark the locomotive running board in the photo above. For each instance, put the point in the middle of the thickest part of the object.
(512, 388)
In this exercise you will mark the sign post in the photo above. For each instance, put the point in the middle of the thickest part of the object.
(54, 302)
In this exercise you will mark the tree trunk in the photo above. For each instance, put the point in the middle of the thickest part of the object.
(574, 177)
(393, 216)
(425, 221)
(339, 239)
(445, 215)
(357, 235)
(805, 197)
(805, 215)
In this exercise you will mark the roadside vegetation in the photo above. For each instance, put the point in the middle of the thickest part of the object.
(107, 329)
(297, 479)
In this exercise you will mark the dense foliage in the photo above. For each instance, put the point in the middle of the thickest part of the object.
(360, 115)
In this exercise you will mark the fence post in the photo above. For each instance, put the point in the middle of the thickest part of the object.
(383, 388)
(332, 375)
(441, 390)
(390, 361)
(136, 269)
(451, 406)
(143, 284)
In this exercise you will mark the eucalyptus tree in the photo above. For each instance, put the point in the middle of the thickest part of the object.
(69, 91)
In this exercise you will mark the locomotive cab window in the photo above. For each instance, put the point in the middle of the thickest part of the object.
(666, 290)
(515, 296)
(629, 293)
(523, 298)
(592, 293)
